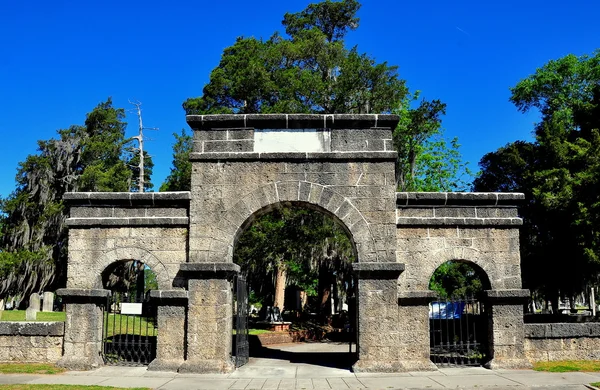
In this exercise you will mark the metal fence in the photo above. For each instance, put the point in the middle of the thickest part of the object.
(129, 332)
(241, 307)
(458, 332)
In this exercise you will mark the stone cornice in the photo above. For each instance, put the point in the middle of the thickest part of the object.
(378, 270)
(209, 270)
(467, 222)
(406, 199)
(134, 221)
(295, 156)
(292, 121)
(128, 198)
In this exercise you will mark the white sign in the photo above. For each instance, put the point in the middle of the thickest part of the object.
(292, 140)
(131, 308)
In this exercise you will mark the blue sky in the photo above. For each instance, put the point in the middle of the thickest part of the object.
(59, 59)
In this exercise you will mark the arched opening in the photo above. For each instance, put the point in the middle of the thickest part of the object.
(301, 292)
(458, 319)
(129, 328)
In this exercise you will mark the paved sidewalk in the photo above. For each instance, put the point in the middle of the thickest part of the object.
(312, 366)
(314, 377)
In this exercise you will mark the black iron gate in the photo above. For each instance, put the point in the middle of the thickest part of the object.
(241, 347)
(129, 331)
(458, 332)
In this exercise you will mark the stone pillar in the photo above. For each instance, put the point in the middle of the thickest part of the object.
(82, 346)
(170, 317)
(210, 317)
(377, 305)
(506, 329)
(414, 340)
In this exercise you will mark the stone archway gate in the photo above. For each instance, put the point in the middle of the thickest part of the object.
(242, 166)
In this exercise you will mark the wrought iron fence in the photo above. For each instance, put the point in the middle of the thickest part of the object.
(458, 332)
(241, 307)
(129, 332)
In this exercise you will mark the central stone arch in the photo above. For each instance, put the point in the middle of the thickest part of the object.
(241, 164)
(305, 194)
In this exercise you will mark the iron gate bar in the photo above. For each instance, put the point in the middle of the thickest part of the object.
(242, 345)
(128, 344)
(453, 332)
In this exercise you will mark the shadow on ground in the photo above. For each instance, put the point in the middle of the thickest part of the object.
(326, 354)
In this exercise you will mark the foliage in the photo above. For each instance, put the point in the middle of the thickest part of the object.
(559, 173)
(30, 368)
(310, 70)
(308, 244)
(42, 316)
(456, 279)
(33, 237)
(568, 366)
(425, 160)
(180, 178)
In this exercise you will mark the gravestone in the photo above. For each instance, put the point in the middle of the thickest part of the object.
(48, 304)
(1, 307)
(34, 302)
(30, 314)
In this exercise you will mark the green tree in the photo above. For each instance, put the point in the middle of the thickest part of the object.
(180, 178)
(456, 280)
(559, 175)
(310, 71)
(33, 236)
(295, 246)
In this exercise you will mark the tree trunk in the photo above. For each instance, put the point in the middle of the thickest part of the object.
(280, 282)
(324, 291)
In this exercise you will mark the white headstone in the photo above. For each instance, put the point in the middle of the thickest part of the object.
(34, 302)
(48, 304)
(30, 314)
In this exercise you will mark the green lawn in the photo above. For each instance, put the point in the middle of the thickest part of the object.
(121, 324)
(19, 315)
(63, 387)
(568, 366)
(29, 368)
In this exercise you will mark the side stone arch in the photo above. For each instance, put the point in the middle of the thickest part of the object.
(311, 195)
(418, 273)
(132, 253)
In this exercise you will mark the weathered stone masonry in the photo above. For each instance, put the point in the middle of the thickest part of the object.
(348, 173)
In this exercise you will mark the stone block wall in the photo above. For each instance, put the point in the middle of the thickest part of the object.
(478, 228)
(481, 228)
(231, 184)
(562, 341)
(31, 342)
(109, 227)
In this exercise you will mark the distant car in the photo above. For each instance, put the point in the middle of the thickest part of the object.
(446, 310)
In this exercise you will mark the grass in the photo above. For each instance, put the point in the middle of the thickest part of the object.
(29, 368)
(63, 387)
(568, 366)
(121, 324)
(595, 384)
(19, 315)
(256, 332)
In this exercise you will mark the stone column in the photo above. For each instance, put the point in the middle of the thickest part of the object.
(171, 306)
(377, 306)
(82, 346)
(210, 317)
(506, 329)
(413, 317)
